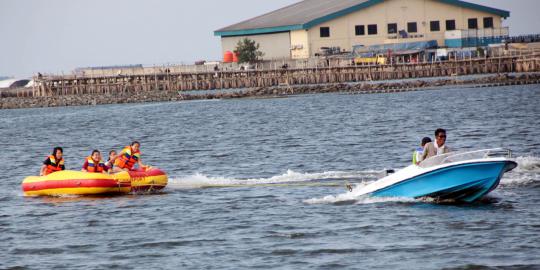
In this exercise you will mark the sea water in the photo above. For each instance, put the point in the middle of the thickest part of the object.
(260, 184)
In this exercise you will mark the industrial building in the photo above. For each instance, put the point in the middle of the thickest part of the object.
(304, 29)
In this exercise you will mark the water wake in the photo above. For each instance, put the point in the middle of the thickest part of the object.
(199, 180)
(356, 196)
(528, 164)
(527, 172)
(357, 200)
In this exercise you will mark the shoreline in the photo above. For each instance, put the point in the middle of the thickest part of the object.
(367, 87)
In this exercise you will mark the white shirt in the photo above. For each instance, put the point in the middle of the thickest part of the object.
(440, 149)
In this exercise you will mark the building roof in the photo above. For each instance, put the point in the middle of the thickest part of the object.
(7, 83)
(308, 13)
(12, 83)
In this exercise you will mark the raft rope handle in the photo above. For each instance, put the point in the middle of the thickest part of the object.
(151, 189)
(120, 184)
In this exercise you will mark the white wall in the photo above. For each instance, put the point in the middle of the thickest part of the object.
(342, 30)
(277, 45)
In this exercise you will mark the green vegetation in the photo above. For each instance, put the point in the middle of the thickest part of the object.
(248, 51)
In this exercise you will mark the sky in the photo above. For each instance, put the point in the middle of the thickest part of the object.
(57, 36)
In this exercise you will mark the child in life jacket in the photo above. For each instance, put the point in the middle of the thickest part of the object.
(53, 163)
(112, 158)
(94, 164)
(419, 152)
(129, 156)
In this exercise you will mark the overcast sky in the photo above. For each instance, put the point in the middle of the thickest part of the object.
(54, 36)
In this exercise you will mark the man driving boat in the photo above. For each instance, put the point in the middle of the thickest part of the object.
(438, 147)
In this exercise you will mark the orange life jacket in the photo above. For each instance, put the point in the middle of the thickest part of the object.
(95, 167)
(127, 158)
(55, 165)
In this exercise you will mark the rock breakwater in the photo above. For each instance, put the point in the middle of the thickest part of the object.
(283, 90)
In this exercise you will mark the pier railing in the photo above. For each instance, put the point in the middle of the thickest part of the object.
(279, 64)
(342, 71)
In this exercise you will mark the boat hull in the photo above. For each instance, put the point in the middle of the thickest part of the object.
(83, 183)
(463, 182)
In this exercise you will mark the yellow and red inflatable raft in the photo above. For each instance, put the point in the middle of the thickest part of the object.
(83, 183)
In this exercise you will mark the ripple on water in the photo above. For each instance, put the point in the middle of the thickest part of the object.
(494, 267)
(259, 184)
(293, 235)
(37, 251)
(326, 251)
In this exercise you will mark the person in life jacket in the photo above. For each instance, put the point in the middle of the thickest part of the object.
(94, 164)
(53, 163)
(129, 156)
(112, 158)
(419, 152)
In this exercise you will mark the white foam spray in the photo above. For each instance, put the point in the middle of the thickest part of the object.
(527, 172)
(199, 180)
(528, 164)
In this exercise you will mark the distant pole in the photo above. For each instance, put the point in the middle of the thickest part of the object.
(155, 79)
(34, 85)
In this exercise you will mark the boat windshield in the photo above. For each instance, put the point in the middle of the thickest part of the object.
(463, 156)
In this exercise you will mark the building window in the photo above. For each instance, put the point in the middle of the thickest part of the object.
(435, 26)
(450, 25)
(488, 22)
(325, 31)
(372, 29)
(392, 28)
(360, 30)
(473, 23)
(412, 27)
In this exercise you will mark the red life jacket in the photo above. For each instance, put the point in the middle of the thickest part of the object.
(95, 167)
(55, 165)
(127, 158)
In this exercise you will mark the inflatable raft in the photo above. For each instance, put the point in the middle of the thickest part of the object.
(83, 183)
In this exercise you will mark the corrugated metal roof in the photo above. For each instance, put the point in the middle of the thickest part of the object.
(296, 14)
(308, 13)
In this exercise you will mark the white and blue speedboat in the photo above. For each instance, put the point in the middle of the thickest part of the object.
(458, 176)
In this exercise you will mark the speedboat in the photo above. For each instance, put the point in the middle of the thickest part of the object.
(457, 177)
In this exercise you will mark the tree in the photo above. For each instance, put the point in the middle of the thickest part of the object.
(248, 51)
